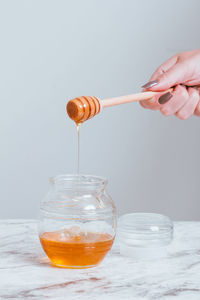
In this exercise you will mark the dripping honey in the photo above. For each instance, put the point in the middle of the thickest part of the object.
(78, 127)
(78, 251)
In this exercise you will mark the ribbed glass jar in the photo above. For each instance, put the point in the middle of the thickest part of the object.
(77, 221)
(144, 235)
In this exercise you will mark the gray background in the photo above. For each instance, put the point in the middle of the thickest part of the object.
(52, 51)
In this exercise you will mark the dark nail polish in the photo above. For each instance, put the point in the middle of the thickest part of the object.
(150, 84)
(164, 98)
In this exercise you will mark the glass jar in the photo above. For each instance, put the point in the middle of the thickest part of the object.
(145, 235)
(77, 221)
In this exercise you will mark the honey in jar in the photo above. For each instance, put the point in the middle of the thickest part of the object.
(71, 248)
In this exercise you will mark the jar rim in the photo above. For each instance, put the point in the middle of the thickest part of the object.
(83, 180)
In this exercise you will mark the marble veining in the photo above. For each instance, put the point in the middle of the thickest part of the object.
(26, 273)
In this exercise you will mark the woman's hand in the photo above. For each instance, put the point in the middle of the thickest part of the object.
(182, 72)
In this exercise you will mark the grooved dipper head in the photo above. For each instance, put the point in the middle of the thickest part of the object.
(83, 108)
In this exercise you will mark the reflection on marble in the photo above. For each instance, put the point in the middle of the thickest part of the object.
(25, 272)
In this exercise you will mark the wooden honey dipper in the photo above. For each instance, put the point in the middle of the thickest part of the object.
(83, 108)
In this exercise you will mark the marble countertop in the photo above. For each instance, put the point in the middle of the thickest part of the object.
(25, 271)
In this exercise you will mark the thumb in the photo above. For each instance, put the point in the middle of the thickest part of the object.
(173, 76)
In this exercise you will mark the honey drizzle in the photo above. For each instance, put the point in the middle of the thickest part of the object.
(78, 127)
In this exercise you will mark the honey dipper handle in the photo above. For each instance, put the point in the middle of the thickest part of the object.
(129, 98)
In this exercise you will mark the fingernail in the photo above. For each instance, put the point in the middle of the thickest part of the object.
(150, 84)
(164, 98)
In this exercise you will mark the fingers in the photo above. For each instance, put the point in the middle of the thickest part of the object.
(164, 67)
(171, 73)
(174, 76)
(172, 105)
(197, 110)
(183, 68)
(179, 99)
(152, 103)
(189, 107)
(184, 103)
